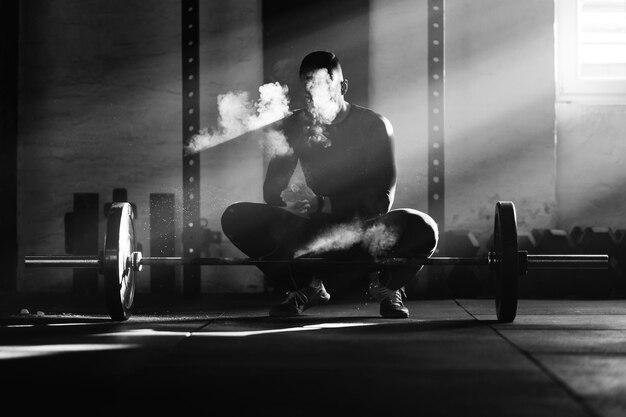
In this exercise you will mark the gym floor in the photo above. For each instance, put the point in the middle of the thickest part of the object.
(222, 355)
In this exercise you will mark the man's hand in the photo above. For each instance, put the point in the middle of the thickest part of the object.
(300, 199)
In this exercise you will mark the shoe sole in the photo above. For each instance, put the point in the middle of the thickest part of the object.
(318, 301)
(394, 313)
(399, 315)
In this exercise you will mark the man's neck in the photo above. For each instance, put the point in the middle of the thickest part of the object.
(343, 112)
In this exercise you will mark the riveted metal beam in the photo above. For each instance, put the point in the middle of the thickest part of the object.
(436, 108)
(191, 162)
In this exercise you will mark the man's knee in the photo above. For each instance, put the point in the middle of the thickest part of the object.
(431, 231)
(230, 216)
(229, 219)
(241, 219)
(420, 232)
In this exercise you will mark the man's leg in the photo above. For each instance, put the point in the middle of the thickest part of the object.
(415, 236)
(263, 231)
(267, 232)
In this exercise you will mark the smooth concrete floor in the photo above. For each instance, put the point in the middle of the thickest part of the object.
(225, 356)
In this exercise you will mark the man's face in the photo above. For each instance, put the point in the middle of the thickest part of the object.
(322, 94)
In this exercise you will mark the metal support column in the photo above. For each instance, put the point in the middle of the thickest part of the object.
(436, 77)
(191, 163)
(9, 77)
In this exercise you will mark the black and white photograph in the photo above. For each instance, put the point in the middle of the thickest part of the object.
(313, 207)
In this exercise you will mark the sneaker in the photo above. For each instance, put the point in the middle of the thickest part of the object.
(391, 305)
(298, 301)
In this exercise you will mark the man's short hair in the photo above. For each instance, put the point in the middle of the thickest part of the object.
(320, 60)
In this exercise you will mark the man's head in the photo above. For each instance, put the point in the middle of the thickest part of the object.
(320, 60)
(324, 85)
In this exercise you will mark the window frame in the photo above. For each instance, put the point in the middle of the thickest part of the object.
(569, 87)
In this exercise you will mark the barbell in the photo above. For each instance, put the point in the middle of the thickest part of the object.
(120, 261)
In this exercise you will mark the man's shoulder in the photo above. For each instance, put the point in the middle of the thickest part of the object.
(372, 119)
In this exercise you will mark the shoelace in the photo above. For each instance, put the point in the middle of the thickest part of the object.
(297, 298)
(395, 296)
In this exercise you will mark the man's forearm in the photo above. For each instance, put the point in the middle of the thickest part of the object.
(361, 203)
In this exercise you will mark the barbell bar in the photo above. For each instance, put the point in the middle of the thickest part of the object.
(532, 261)
(120, 261)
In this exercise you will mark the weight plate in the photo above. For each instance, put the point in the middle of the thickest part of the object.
(119, 276)
(506, 271)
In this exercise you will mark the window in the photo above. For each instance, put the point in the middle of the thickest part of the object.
(591, 51)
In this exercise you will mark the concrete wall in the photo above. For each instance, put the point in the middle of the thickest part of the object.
(500, 142)
(591, 166)
(100, 108)
(399, 90)
(231, 59)
(499, 106)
